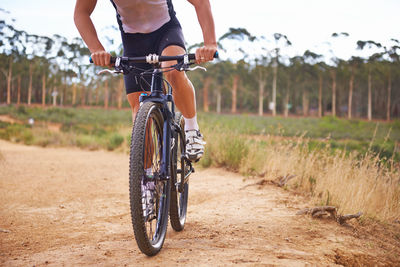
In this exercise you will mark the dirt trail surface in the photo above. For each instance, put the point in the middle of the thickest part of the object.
(69, 207)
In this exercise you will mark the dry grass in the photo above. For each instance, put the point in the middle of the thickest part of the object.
(352, 182)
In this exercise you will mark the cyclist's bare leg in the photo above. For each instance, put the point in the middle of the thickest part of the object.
(133, 99)
(183, 92)
(185, 101)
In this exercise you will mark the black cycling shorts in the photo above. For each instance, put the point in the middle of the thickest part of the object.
(143, 44)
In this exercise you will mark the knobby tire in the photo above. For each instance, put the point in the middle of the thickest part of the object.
(149, 116)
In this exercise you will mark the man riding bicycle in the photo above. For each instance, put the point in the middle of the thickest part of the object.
(151, 27)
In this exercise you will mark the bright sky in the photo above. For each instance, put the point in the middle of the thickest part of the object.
(307, 23)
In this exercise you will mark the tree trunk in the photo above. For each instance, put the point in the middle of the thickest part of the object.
(389, 93)
(219, 101)
(234, 93)
(274, 87)
(54, 95)
(43, 89)
(97, 97)
(369, 94)
(30, 83)
(9, 77)
(351, 87)
(74, 94)
(260, 99)
(305, 103)
(120, 93)
(333, 74)
(64, 93)
(90, 97)
(106, 94)
(286, 104)
(83, 97)
(261, 85)
(320, 97)
(206, 85)
(19, 90)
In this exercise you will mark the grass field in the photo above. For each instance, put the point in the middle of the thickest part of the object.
(351, 135)
(353, 164)
(85, 128)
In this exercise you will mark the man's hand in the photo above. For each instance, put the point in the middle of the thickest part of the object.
(206, 20)
(101, 58)
(205, 53)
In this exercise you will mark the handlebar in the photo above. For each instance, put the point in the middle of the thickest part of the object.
(154, 59)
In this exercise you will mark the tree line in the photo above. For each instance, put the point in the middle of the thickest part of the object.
(308, 85)
(53, 70)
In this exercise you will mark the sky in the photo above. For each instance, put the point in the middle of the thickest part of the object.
(308, 24)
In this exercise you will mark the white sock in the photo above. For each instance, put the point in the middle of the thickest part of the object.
(191, 124)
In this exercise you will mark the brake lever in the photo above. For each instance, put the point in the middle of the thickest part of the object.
(184, 68)
(107, 71)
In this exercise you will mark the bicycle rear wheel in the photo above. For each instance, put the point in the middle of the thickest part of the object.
(179, 187)
(149, 195)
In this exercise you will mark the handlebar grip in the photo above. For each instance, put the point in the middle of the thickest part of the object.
(193, 56)
(112, 60)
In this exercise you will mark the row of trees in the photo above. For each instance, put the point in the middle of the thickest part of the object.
(44, 70)
(310, 84)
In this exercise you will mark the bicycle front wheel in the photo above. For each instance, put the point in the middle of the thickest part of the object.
(149, 194)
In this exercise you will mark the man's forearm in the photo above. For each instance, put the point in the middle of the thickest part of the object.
(206, 20)
(88, 32)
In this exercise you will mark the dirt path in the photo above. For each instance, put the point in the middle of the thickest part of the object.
(70, 207)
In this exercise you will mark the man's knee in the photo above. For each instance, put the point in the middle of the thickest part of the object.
(176, 78)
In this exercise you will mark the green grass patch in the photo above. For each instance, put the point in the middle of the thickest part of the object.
(85, 128)
(102, 129)
(326, 127)
(70, 116)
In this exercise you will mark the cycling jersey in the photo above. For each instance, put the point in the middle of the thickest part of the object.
(143, 16)
(147, 27)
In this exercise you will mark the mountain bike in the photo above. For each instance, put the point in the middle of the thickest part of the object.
(159, 169)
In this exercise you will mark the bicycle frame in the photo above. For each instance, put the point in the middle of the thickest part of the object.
(157, 96)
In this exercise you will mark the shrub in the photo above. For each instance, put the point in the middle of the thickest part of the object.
(88, 142)
(16, 133)
(115, 141)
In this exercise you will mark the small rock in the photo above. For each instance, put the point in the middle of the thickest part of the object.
(5, 230)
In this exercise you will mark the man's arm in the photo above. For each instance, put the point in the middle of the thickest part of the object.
(206, 20)
(83, 10)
